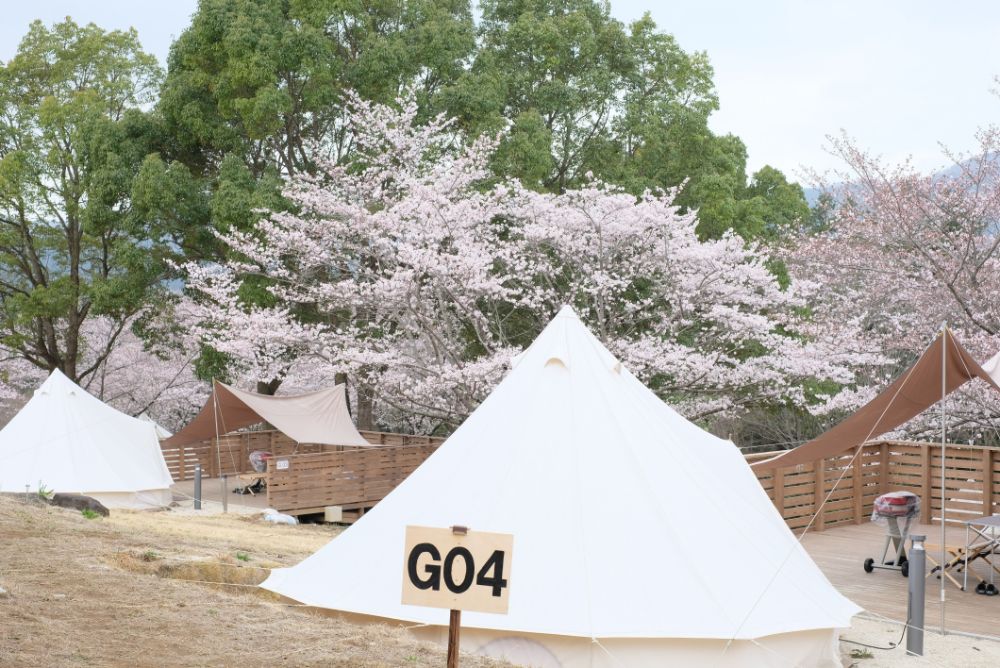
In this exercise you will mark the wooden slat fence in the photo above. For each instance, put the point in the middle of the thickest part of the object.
(320, 476)
(971, 489)
(352, 479)
(233, 453)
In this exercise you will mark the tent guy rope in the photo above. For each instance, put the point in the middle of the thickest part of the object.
(812, 519)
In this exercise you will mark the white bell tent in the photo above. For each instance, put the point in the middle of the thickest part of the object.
(639, 539)
(67, 440)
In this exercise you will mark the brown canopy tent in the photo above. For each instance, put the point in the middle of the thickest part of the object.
(318, 417)
(916, 390)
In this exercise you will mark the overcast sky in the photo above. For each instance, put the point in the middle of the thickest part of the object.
(901, 76)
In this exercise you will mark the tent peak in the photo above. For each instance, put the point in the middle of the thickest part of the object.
(565, 340)
(567, 311)
(56, 378)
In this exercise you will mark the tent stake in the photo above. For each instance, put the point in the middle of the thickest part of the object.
(454, 624)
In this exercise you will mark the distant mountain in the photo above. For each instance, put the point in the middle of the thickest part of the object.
(812, 194)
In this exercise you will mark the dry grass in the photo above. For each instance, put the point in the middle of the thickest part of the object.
(235, 533)
(225, 570)
(119, 592)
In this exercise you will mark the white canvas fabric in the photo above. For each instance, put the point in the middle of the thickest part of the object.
(69, 441)
(315, 417)
(161, 431)
(992, 367)
(629, 523)
(319, 417)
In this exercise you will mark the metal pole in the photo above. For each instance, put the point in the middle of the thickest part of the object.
(197, 486)
(454, 624)
(915, 605)
(944, 423)
(225, 496)
(965, 568)
(218, 445)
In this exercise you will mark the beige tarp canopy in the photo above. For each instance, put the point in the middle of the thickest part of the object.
(916, 390)
(315, 417)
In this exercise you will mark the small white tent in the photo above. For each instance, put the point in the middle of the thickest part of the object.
(639, 539)
(69, 441)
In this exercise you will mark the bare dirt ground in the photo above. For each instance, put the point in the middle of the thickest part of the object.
(948, 650)
(141, 589)
(123, 591)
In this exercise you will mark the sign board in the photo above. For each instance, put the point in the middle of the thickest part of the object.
(470, 571)
(281, 464)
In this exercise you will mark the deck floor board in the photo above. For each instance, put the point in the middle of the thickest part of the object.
(841, 551)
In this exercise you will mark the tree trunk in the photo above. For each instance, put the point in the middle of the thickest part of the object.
(269, 387)
(366, 404)
(340, 378)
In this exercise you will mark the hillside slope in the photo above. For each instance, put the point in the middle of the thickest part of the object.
(111, 592)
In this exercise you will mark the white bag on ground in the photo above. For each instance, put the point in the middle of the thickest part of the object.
(272, 515)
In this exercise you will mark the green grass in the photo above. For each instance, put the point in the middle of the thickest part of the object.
(90, 514)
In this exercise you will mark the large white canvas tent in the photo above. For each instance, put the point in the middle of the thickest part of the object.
(67, 440)
(639, 539)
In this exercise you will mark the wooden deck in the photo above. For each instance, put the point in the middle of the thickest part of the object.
(312, 477)
(841, 551)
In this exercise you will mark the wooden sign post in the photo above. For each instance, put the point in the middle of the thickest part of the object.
(454, 624)
(457, 569)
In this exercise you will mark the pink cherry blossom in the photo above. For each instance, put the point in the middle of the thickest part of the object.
(420, 275)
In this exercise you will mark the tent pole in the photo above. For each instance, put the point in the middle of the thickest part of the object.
(218, 448)
(944, 429)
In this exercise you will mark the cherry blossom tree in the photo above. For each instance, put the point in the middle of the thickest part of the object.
(153, 374)
(379, 275)
(705, 323)
(416, 273)
(132, 374)
(904, 253)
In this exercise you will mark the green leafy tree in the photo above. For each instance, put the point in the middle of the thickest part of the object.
(584, 94)
(776, 206)
(558, 60)
(821, 214)
(263, 79)
(73, 137)
(254, 89)
(255, 86)
(246, 79)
